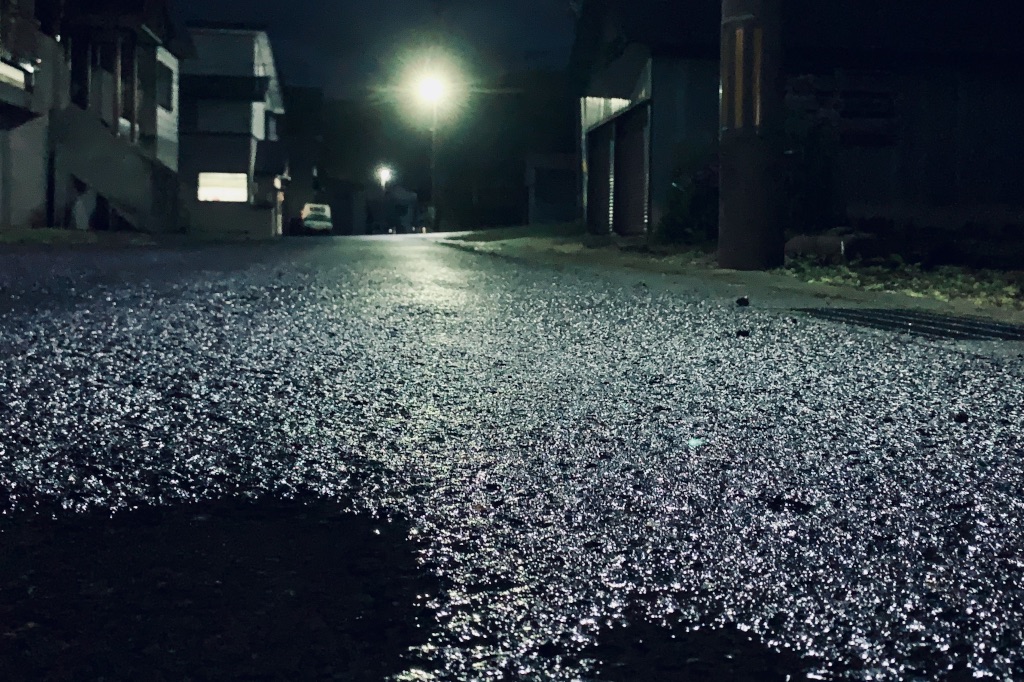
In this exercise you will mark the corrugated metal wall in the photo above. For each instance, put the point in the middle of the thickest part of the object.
(618, 174)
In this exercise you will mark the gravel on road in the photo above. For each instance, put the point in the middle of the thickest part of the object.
(598, 476)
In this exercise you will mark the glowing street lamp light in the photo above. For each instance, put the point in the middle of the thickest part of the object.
(432, 90)
(385, 175)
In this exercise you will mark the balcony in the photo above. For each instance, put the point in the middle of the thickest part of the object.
(19, 33)
(19, 37)
(237, 88)
(14, 75)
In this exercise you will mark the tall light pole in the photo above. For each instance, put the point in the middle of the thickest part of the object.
(385, 175)
(432, 90)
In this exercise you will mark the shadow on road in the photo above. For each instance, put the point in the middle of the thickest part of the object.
(226, 590)
(646, 651)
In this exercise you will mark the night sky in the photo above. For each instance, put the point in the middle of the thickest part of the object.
(350, 46)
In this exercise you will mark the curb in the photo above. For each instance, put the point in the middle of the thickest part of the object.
(826, 295)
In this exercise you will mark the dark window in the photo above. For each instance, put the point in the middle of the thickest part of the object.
(165, 86)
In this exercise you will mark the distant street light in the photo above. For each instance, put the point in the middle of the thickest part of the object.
(385, 175)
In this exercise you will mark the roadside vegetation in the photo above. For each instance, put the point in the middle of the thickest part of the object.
(979, 286)
(984, 287)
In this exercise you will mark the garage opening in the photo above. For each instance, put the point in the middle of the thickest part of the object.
(600, 178)
(630, 200)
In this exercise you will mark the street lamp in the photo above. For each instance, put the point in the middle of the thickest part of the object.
(385, 175)
(432, 90)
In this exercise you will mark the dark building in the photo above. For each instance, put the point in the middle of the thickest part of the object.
(903, 111)
(648, 83)
(234, 164)
(506, 165)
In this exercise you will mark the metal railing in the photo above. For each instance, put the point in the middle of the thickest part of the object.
(19, 32)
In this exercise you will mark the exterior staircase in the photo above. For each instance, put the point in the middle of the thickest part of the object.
(142, 191)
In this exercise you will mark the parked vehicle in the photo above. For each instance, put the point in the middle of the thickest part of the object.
(316, 219)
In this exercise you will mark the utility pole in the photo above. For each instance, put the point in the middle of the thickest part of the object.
(435, 217)
(750, 221)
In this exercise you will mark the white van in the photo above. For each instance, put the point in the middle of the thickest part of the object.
(317, 218)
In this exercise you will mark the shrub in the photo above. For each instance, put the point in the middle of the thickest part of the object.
(692, 216)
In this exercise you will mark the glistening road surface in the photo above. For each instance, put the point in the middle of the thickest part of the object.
(568, 459)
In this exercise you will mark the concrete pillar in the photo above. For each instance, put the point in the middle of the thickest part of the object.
(751, 128)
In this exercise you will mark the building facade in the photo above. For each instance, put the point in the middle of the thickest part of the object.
(905, 116)
(89, 125)
(233, 162)
(33, 83)
(649, 88)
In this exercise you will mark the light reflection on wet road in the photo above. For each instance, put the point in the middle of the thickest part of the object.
(573, 452)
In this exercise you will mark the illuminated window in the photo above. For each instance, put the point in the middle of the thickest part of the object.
(597, 110)
(228, 187)
(13, 75)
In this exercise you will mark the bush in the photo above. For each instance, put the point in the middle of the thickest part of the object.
(692, 217)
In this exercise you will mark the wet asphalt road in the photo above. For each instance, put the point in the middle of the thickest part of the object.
(574, 459)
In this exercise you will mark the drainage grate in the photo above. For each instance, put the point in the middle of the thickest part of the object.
(922, 324)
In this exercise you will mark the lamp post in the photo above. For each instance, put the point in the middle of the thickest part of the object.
(432, 90)
(385, 175)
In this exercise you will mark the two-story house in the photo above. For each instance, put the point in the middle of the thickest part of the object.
(233, 162)
(89, 129)
(33, 82)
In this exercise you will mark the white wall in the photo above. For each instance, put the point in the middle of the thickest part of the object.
(167, 121)
(267, 66)
(23, 174)
(237, 220)
(23, 150)
(259, 120)
(222, 53)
